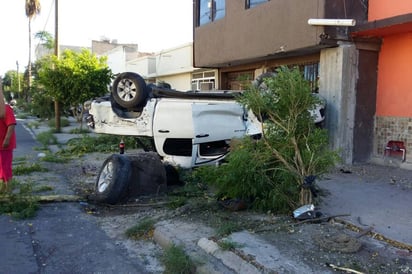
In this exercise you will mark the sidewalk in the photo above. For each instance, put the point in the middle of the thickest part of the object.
(375, 196)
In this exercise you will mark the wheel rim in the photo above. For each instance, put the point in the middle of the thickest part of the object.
(126, 90)
(105, 178)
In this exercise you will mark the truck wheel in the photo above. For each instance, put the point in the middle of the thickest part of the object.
(129, 90)
(113, 180)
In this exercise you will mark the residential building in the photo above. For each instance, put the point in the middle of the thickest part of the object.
(390, 26)
(42, 50)
(245, 38)
(117, 54)
(173, 66)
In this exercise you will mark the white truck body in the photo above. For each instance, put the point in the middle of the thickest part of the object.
(186, 132)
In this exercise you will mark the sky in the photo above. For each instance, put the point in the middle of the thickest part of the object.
(154, 25)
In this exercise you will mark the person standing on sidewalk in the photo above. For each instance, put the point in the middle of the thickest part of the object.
(7, 145)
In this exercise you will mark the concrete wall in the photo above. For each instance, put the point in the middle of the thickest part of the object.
(180, 82)
(380, 9)
(174, 60)
(116, 60)
(145, 65)
(338, 77)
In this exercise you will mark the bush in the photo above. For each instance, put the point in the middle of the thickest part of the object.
(176, 261)
(47, 138)
(64, 122)
(41, 104)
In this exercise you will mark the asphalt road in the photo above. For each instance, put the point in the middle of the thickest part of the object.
(62, 238)
(25, 142)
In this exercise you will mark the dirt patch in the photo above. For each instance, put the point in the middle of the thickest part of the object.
(319, 245)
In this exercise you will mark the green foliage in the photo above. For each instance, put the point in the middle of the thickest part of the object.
(79, 131)
(143, 230)
(46, 39)
(46, 138)
(228, 245)
(53, 158)
(227, 228)
(27, 169)
(269, 172)
(249, 176)
(175, 261)
(101, 143)
(176, 202)
(64, 122)
(74, 78)
(13, 82)
(42, 188)
(19, 201)
(41, 104)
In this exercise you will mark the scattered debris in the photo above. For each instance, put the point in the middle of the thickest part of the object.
(324, 218)
(340, 242)
(306, 212)
(233, 204)
(348, 270)
(364, 232)
(345, 171)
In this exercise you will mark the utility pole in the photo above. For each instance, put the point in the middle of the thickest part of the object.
(56, 52)
(18, 79)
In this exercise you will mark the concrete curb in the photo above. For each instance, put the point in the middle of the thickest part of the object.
(228, 258)
(206, 253)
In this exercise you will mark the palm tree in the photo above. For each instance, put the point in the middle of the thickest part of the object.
(32, 9)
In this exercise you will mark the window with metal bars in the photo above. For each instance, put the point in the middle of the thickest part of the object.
(253, 3)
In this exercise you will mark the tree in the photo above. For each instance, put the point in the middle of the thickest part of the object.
(277, 171)
(11, 83)
(32, 9)
(291, 142)
(46, 39)
(74, 78)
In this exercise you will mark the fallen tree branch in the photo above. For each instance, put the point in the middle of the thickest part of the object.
(137, 205)
(320, 219)
(43, 198)
(364, 232)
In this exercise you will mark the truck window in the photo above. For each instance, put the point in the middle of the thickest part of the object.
(178, 147)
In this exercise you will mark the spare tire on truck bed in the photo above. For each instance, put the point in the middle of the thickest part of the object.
(129, 90)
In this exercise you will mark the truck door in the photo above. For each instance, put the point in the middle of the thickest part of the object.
(214, 125)
(173, 128)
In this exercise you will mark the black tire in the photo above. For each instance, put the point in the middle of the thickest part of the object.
(129, 90)
(113, 180)
(172, 175)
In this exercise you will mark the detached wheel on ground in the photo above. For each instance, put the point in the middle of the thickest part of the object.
(113, 180)
(129, 90)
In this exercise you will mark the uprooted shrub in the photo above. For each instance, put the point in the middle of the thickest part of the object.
(270, 172)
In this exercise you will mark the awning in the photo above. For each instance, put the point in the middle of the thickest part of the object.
(384, 27)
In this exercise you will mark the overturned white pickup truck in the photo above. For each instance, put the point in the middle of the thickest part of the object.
(187, 129)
